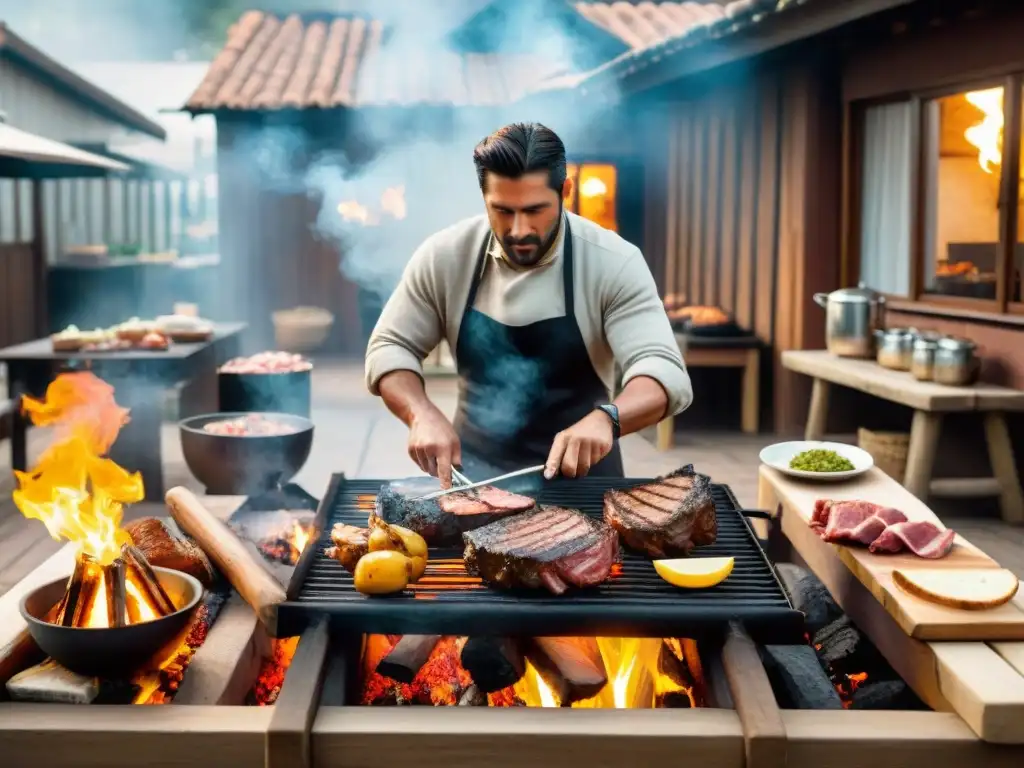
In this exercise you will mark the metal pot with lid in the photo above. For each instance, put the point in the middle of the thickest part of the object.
(852, 315)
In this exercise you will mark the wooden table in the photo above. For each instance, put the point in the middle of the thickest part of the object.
(139, 378)
(930, 402)
(705, 352)
(983, 682)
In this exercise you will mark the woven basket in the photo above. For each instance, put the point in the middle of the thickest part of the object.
(888, 449)
(303, 329)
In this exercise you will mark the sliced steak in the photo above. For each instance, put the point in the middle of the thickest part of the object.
(667, 517)
(550, 547)
(443, 520)
(922, 537)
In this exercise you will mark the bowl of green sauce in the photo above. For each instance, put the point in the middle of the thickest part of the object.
(817, 460)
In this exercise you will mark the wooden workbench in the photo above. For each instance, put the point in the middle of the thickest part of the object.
(983, 682)
(930, 402)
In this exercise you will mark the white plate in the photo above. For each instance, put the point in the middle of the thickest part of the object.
(779, 455)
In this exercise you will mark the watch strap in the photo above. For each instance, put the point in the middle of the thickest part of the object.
(612, 412)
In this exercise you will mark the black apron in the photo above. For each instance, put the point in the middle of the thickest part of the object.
(519, 386)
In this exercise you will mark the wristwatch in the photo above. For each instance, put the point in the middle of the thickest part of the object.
(612, 412)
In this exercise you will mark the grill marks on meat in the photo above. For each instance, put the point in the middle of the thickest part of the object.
(881, 529)
(667, 517)
(443, 520)
(551, 547)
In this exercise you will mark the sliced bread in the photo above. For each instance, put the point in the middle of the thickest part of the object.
(970, 589)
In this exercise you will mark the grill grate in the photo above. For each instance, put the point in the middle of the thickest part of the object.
(635, 602)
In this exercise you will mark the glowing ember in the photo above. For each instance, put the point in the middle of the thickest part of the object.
(845, 684)
(159, 687)
(289, 544)
(637, 677)
(268, 684)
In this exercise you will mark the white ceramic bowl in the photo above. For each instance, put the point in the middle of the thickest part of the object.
(779, 455)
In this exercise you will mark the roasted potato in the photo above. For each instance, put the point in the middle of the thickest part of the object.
(382, 572)
(419, 566)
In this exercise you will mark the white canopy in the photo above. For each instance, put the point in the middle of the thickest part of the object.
(21, 145)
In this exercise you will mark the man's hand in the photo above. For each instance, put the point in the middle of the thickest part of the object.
(581, 446)
(434, 446)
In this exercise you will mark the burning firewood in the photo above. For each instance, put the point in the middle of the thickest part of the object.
(405, 660)
(572, 667)
(494, 663)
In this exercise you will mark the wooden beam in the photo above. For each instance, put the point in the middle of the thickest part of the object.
(288, 735)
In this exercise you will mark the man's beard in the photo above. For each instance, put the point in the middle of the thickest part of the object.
(540, 247)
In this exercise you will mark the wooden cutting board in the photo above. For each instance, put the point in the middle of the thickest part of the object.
(918, 618)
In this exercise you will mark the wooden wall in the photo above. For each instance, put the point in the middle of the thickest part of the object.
(18, 292)
(270, 259)
(750, 217)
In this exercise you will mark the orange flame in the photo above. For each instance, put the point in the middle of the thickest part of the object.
(74, 491)
(987, 135)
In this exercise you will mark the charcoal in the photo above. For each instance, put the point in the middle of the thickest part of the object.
(473, 697)
(837, 641)
(798, 678)
(810, 597)
(885, 694)
(673, 700)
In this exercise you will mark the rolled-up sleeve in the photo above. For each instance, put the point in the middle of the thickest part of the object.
(410, 325)
(641, 337)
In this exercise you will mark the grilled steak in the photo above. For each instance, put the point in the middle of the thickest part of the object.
(667, 517)
(350, 544)
(550, 547)
(443, 520)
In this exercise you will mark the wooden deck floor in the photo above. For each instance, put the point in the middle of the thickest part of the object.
(357, 436)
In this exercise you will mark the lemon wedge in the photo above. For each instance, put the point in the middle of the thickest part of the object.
(695, 572)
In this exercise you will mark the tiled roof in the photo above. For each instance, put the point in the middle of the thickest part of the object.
(641, 25)
(688, 40)
(270, 63)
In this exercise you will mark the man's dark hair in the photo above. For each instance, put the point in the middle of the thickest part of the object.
(518, 149)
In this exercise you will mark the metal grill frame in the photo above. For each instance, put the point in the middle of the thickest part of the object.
(767, 615)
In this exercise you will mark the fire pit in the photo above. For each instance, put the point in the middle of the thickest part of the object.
(116, 648)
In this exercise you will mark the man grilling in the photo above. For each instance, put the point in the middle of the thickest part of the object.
(539, 306)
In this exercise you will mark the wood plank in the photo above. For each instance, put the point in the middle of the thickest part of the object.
(698, 206)
(73, 736)
(674, 175)
(288, 735)
(867, 376)
(710, 357)
(441, 737)
(710, 254)
(766, 236)
(764, 734)
(683, 211)
(854, 739)
(943, 688)
(918, 618)
(729, 207)
(746, 223)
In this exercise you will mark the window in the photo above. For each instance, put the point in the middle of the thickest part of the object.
(962, 152)
(593, 195)
(934, 206)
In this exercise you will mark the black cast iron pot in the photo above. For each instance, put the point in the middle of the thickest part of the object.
(116, 652)
(266, 392)
(241, 464)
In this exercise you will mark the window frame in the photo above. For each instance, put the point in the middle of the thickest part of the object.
(1009, 199)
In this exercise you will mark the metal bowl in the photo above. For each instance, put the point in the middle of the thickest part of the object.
(245, 465)
(114, 652)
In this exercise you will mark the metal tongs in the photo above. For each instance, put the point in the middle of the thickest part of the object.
(461, 483)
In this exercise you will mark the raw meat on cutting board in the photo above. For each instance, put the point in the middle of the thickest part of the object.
(881, 529)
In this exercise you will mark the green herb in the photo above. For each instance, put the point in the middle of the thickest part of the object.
(819, 460)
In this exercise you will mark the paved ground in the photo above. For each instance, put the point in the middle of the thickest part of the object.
(356, 435)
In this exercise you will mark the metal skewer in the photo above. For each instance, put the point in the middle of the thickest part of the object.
(471, 486)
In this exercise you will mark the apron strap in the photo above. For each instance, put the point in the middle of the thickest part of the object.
(478, 272)
(567, 275)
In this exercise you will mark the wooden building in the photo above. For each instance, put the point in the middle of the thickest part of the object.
(301, 97)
